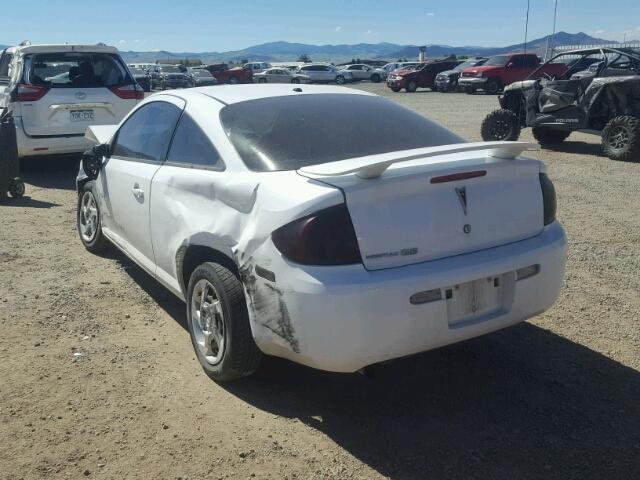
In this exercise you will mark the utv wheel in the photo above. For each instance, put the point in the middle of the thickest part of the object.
(163, 86)
(549, 136)
(411, 86)
(621, 139)
(340, 80)
(395, 89)
(469, 90)
(500, 125)
(375, 78)
(218, 323)
(492, 86)
(89, 220)
(262, 80)
(16, 188)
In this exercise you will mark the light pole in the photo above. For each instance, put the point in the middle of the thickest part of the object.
(553, 34)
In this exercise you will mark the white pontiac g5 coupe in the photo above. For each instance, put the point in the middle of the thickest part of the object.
(321, 224)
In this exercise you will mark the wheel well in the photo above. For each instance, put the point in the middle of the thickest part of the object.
(190, 256)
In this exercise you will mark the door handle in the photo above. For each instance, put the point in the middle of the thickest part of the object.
(137, 192)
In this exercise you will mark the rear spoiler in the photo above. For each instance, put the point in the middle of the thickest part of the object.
(373, 166)
(100, 134)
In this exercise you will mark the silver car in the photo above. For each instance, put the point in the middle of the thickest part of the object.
(361, 71)
(324, 73)
(280, 75)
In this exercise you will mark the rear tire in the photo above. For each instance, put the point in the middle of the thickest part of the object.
(621, 139)
(233, 80)
(395, 89)
(549, 136)
(16, 188)
(262, 80)
(237, 354)
(340, 80)
(500, 125)
(375, 78)
(492, 86)
(411, 86)
(89, 222)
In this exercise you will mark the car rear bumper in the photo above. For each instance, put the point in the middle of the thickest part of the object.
(29, 146)
(344, 318)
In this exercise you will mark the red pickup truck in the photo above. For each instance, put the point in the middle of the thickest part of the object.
(501, 70)
(224, 74)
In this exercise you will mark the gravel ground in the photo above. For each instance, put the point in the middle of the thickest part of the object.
(98, 377)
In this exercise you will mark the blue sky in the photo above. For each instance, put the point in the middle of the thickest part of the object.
(221, 25)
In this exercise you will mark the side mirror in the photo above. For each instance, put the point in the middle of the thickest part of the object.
(92, 160)
(510, 64)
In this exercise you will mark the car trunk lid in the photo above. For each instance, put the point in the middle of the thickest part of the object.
(425, 209)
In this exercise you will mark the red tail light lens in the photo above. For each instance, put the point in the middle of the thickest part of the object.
(548, 199)
(129, 92)
(324, 238)
(26, 92)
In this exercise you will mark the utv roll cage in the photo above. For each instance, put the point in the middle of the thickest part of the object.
(584, 52)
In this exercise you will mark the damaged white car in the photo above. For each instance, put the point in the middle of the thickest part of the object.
(290, 227)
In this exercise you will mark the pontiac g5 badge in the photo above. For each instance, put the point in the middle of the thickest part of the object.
(462, 196)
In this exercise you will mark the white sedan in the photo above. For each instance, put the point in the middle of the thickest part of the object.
(280, 75)
(336, 244)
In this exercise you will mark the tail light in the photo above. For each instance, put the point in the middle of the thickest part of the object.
(548, 199)
(26, 92)
(324, 238)
(129, 92)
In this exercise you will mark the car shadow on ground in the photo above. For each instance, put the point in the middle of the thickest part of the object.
(522, 403)
(55, 171)
(27, 202)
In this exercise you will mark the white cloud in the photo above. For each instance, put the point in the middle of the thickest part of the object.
(598, 32)
(431, 14)
(368, 32)
(338, 28)
(122, 41)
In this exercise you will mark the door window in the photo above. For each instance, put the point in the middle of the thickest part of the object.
(192, 147)
(5, 60)
(147, 132)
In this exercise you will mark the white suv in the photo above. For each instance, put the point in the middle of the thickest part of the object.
(322, 72)
(56, 91)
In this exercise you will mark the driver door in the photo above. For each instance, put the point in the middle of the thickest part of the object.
(124, 184)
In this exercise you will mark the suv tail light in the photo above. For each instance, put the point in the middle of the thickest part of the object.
(26, 92)
(323, 238)
(548, 199)
(129, 92)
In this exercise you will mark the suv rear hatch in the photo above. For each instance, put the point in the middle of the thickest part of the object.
(63, 93)
(449, 205)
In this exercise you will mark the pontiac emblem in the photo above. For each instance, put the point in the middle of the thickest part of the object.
(80, 95)
(462, 196)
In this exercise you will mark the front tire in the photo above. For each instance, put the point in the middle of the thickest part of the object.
(218, 323)
(492, 86)
(395, 89)
(411, 86)
(549, 136)
(469, 90)
(262, 80)
(89, 220)
(233, 80)
(16, 188)
(340, 80)
(621, 139)
(500, 125)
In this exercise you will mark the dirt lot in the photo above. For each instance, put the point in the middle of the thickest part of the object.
(98, 378)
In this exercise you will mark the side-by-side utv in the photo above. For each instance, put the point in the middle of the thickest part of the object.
(598, 94)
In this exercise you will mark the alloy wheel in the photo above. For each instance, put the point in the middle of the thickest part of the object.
(208, 322)
(88, 217)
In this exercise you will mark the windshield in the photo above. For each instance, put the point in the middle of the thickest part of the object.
(497, 61)
(170, 69)
(291, 132)
(76, 70)
(467, 64)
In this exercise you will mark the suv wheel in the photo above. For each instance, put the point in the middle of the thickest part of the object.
(218, 323)
(492, 86)
(89, 221)
(411, 86)
(500, 125)
(340, 80)
(621, 139)
(549, 136)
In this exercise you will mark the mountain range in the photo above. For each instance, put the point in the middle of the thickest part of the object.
(287, 51)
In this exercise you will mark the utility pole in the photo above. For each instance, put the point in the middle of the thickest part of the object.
(553, 34)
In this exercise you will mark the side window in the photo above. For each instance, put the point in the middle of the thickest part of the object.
(191, 146)
(146, 134)
(530, 61)
(5, 60)
(518, 62)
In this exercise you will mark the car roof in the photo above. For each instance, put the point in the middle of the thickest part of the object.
(56, 48)
(229, 94)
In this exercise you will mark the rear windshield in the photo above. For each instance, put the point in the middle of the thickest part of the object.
(497, 61)
(170, 69)
(76, 70)
(291, 132)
